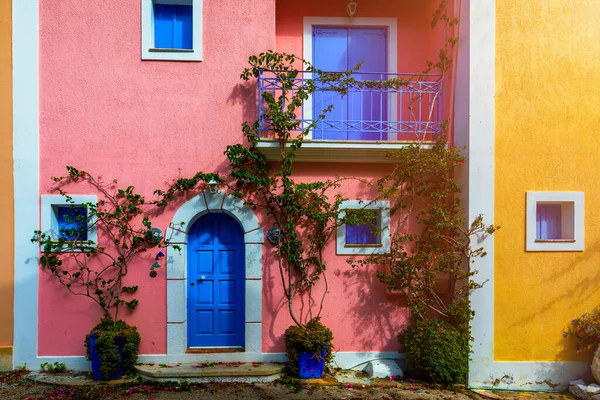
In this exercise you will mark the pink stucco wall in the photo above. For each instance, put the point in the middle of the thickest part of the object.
(106, 111)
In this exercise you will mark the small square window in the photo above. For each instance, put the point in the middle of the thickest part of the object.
(172, 30)
(366, 238)
(554, 221)
(72, 222)
(69, 220)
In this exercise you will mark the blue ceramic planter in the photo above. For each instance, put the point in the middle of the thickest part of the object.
(310, 365)
(120, 341)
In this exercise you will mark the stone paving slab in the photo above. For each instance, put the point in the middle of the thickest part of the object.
(70, 379)
(224, 372)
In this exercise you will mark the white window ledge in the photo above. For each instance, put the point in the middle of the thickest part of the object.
(342, 151)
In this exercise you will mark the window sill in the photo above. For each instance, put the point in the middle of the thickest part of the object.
(169, 50)
(166, 54)
(338, 151)
(555, 241)
(354, 246)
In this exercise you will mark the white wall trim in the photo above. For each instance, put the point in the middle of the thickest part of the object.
(390, 23)
(25, 48)
(147, 33)
(480, 23)
(384, 207)
(345, 360)
(187, 214)
(571, 216)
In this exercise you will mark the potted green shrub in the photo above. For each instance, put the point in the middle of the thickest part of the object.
(308, 349)
(586, 330)
(98, 270)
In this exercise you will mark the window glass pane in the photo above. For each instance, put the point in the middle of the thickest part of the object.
(364, 233)
(72, 223)
(548, 223)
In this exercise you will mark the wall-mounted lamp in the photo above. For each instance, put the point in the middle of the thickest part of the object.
(213, 186)
(352, 4)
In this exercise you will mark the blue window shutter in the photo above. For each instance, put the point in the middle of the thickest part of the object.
(182, 28)
(72, 223)
(173, 26)
(164, 14)
(548, 224)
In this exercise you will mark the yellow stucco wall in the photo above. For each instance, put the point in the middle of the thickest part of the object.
(6, 182)
(547, 139)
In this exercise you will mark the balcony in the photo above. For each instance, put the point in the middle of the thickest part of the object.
(378, 112)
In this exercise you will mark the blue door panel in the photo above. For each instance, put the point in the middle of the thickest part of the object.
(368, 108)
(340, 49)
(216, 301)
(330, 54)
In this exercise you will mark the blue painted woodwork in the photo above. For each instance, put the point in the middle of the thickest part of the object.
(363, 233)
(173, 26)
(72, 223)
(548, 221)
(216, 282)
(341, 49)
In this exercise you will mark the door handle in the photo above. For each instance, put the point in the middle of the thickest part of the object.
(192, 283)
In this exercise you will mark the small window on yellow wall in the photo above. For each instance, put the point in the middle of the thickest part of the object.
(555, 221)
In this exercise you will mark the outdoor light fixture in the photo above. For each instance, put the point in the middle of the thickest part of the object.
(352, 4)
(212, 186)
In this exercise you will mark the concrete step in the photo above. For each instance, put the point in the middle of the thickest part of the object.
(212, 372)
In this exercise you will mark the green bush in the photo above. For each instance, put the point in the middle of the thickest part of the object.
(438, 351)
(309, 339)
(107, 330)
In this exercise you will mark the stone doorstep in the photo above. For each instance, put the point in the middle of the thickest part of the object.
(183, 371)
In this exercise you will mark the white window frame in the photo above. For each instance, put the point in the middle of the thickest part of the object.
(384, 208)
(572, 218)
(51, 203)
(390, 23)
(151, 53)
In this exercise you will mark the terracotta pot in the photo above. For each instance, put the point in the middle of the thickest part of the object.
(596, 365)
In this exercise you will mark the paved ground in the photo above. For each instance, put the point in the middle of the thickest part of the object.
(14, 386)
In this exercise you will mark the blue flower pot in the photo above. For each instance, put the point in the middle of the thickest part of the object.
(310, 365)
(120, 342)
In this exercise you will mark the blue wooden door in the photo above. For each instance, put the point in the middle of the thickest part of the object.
(216, 278)
(360, 114)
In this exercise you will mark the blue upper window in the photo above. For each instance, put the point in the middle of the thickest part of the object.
(173, 25)
(72, 223)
